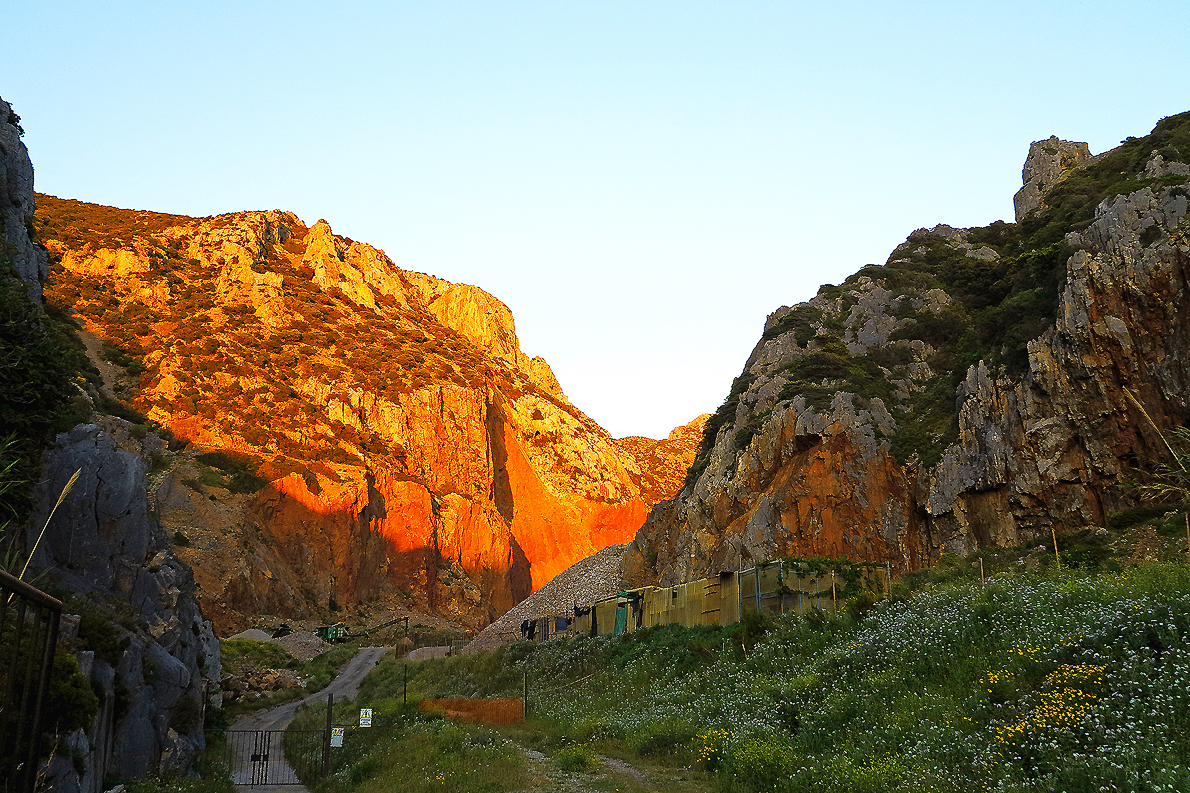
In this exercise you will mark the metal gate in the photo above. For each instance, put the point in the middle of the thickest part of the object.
(277, 757)
(28, 636)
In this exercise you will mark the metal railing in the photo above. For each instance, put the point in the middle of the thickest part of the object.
(28, 636)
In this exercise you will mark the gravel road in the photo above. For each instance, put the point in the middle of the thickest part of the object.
(278, 718)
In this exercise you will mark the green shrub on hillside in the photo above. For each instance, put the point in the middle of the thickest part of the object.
(38, 397)
(236, 653)
(576, 757)
(71, 703)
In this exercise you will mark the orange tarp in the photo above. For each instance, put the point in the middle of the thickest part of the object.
(482, 711)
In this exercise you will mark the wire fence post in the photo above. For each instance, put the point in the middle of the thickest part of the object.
(525, 698)
(326, 737)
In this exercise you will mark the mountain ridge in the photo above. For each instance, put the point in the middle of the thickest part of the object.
(394, 420)
(968, 392)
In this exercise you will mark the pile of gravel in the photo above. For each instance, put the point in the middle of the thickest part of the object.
(591, 579)
(303, 645)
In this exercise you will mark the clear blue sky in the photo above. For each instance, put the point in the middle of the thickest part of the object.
(641, 182)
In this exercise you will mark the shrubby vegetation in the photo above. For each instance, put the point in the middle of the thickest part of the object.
(41, 357)
(319, 671)
(414, 753)
(254, 378)
(996, 306)
(76, 223)
(237, 473)
(1040, 678)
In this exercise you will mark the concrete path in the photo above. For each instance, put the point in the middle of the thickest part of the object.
(344, 687)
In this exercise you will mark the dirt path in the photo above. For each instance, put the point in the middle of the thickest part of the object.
(270, 722)
(612, 775)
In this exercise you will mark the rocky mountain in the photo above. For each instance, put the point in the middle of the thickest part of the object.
(363, 430)
(968, 392)
(137, 665)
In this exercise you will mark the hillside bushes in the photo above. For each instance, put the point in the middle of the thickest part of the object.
(41, 356)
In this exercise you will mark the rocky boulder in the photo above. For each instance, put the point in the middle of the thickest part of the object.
(155, 660)
(1048, 161)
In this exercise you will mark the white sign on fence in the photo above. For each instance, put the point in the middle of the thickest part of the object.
(337, 736)
(365, 717)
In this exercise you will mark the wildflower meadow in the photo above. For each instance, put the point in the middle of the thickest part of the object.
(1061, 682)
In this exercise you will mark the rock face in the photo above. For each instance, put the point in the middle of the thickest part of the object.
(406, 443)
(657, 467)
(158, 664)
(16, 203)
(1048, 161)
(139, 637)
(846, 434)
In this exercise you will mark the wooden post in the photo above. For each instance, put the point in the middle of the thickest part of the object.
(1057, 558)
(525, 698)
(982, 580)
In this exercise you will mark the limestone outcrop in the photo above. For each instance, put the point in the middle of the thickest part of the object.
(16, 204)
(405, 444)
(1048, 161)
(157, 666)
(657, 467)
(858, 427)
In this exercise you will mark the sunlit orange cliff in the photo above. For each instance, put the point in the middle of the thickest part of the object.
(382, 430)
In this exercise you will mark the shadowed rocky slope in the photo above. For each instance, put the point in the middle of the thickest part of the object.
(137, 664)
(16, 208)
(969, 392)
(151, 657)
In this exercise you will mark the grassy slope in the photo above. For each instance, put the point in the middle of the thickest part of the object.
(1033, 681)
